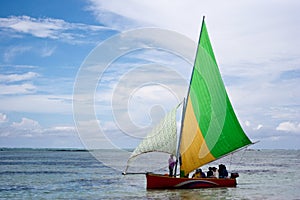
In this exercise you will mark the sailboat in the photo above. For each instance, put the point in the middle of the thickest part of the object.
(209, 129)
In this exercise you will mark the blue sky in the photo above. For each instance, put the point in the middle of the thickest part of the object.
(44, 45)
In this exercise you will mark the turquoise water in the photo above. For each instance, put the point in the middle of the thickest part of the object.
(61, 174)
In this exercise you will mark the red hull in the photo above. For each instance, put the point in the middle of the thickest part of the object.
(156, 181)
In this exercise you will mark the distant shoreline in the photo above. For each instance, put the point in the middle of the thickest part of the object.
(91, 150)
(39, 149)
(55, 149)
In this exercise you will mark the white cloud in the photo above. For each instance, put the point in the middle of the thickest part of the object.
(17, 83)
(25, 128)
(37, 27)
(247, 123)
(29, 133)
(63, 128)
(27, 124)
(228, 17)
(25, 88)
(47, 51)
(163, 13)
(8, 78)
(11, 52)
(258, 127)
(289, 127)
(32, 128)
(252, 126)
(60, 131)
(45, 27)
(17, 67)
(59, 104)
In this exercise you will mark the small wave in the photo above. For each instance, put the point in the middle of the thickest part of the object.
(14, 188)
(257, 171)
(35, 172)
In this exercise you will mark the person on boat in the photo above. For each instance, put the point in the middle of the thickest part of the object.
(215, 172)
(171, 165)
(199, 174)
(209, 174)
(212, 172)
(223, 173)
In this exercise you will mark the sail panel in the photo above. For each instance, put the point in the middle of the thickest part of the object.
(163, 137)
(191, 145)
(214, 115)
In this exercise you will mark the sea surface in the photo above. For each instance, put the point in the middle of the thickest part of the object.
(76, 174)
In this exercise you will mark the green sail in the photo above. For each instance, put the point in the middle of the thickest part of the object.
(213, 110)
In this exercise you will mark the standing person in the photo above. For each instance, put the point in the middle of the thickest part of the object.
(171, 165)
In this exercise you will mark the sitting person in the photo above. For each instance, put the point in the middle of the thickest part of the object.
(199, 174)
(215, 172)
(210, 172)
(223, 173)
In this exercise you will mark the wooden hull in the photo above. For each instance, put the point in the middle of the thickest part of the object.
(156, 181)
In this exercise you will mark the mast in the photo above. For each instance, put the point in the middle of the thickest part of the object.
(185, 101)
(179, 140)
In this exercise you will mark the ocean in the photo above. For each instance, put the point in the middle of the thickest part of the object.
(76, 174)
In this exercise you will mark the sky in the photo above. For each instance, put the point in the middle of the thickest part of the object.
(50, 51)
